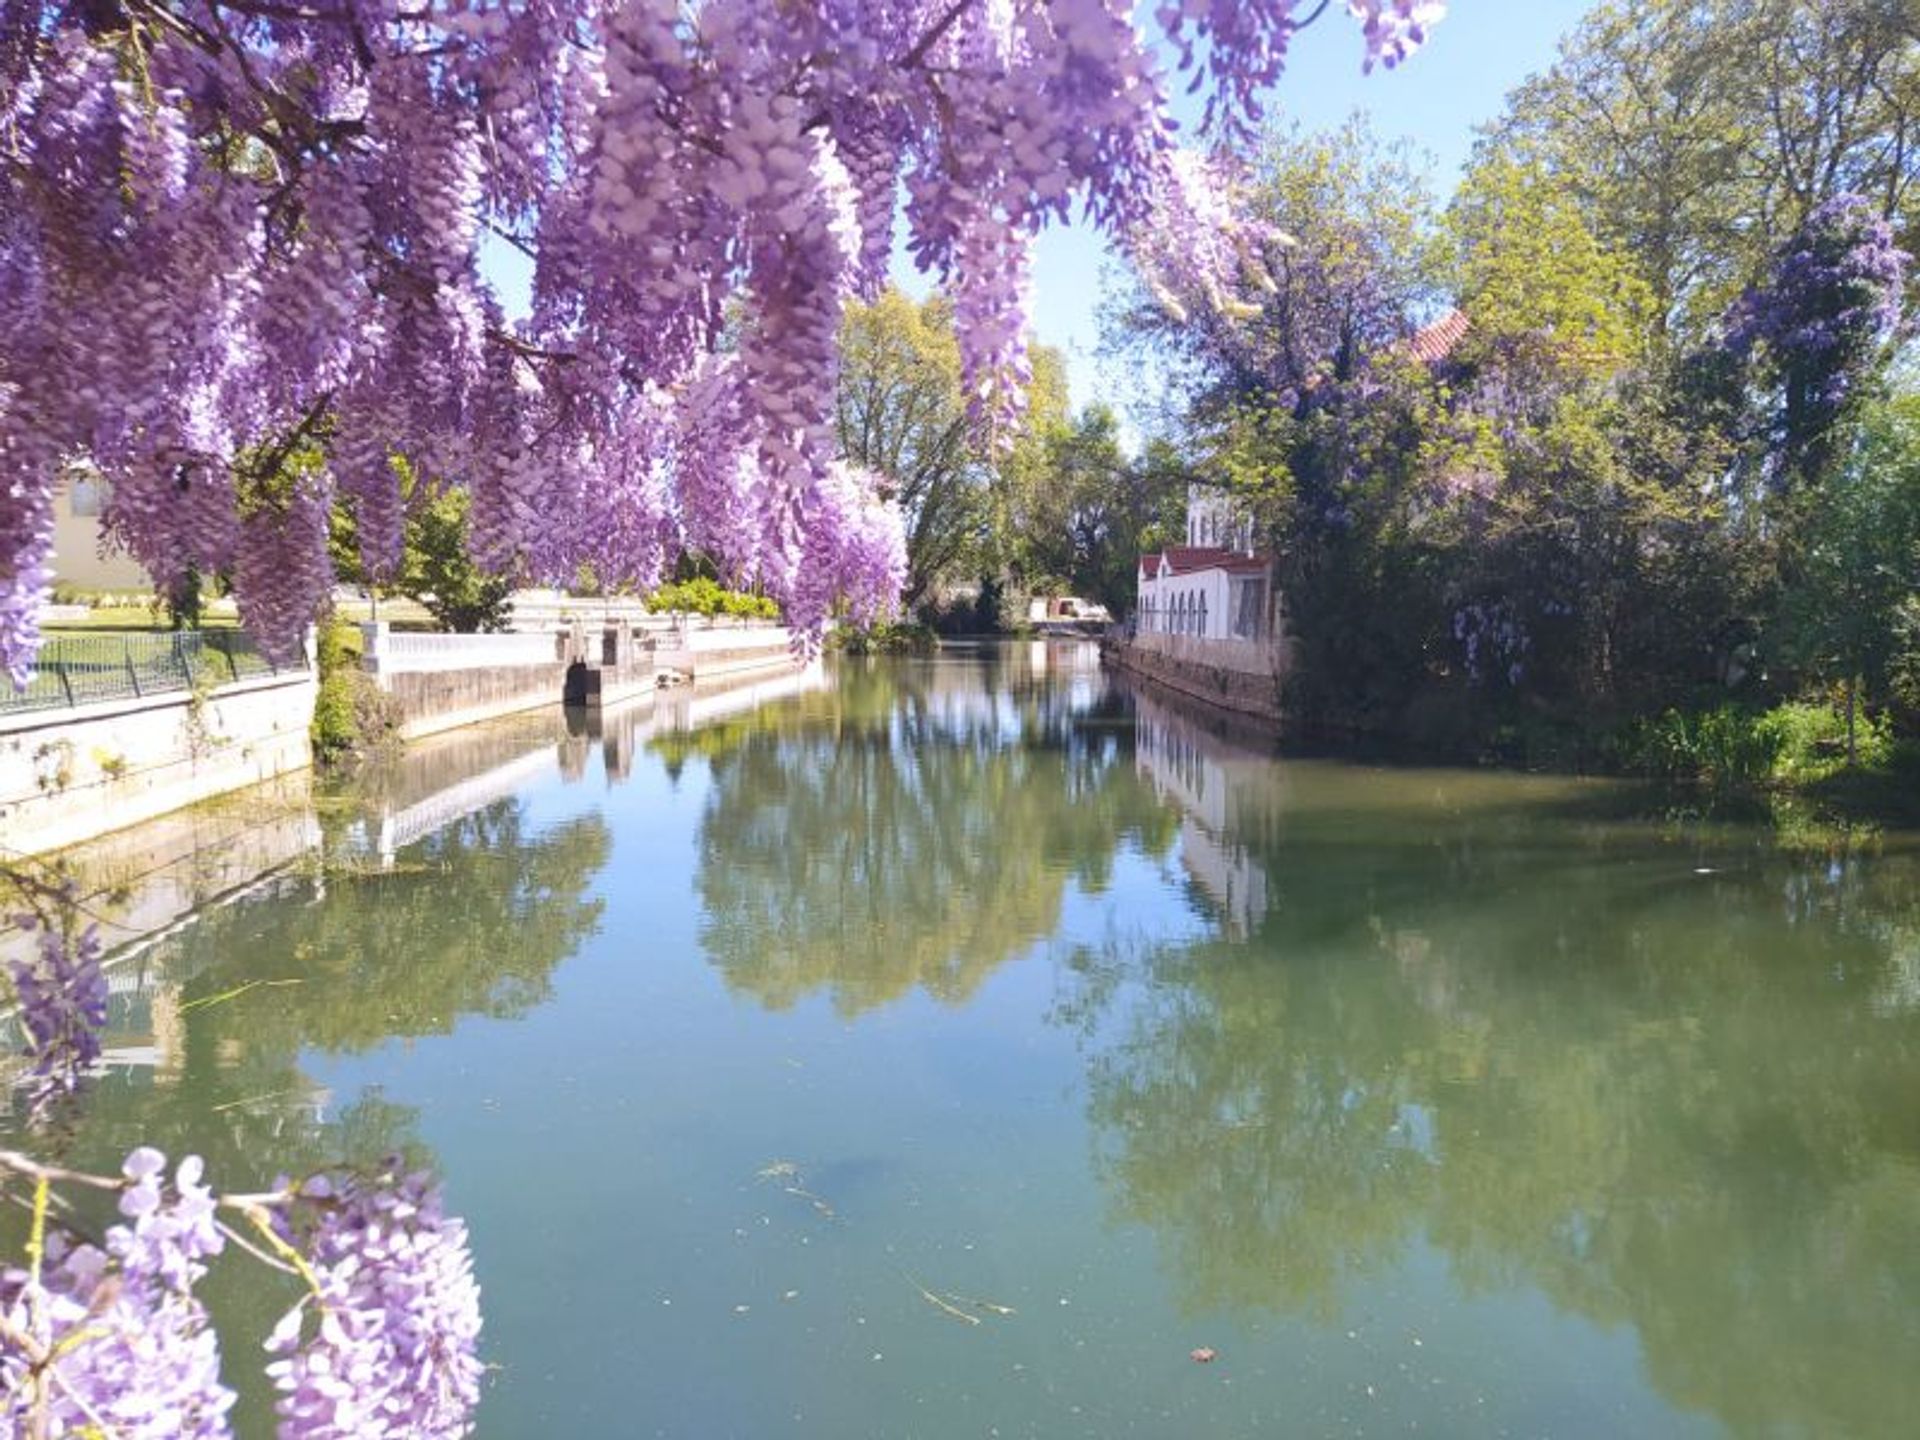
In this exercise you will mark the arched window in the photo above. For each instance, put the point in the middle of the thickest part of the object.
(1202, 628)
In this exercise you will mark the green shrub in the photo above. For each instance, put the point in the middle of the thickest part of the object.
(1731, 747)
(1812, 741)
(1727, 747)
(350, 712)
(703, 596)
(885, 638)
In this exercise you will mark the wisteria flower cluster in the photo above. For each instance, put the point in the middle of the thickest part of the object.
(62, 994)
(1494, 641)
(110, 1339)
(385, 1345)
(228, 227)
(1823, 317)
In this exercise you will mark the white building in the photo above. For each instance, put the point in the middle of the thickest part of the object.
(1216, 586)
(78, 559)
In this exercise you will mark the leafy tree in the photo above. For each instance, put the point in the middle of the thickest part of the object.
(1342, 263)
(1696, 163)
(901, 414)
(1860, 564)
(437, 568)
(1085, 527)
(1532, 276)
(1819, 325)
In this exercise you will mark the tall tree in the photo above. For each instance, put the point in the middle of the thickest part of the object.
(900, 413)
(1859, 564)
(1819, 326)
(1085, 528)
(1697, 136)
(1337, 265)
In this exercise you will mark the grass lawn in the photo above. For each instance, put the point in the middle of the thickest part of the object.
(401, 614)
(130, 617)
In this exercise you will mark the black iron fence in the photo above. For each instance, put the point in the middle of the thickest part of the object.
(81, 667)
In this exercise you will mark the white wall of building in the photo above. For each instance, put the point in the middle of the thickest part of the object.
(77, 560)
(1198, 603)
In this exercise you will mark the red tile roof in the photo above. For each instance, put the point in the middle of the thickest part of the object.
(1433, 343)
(1185, 559)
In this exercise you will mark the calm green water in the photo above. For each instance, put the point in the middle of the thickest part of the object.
(1435, 1103)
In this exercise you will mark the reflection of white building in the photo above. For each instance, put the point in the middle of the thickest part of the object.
(1216, 586)
(1195, 771)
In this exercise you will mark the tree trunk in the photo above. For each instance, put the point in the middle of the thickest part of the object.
(1853, 752)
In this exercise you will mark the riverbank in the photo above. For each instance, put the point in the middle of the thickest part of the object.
(1790, 762)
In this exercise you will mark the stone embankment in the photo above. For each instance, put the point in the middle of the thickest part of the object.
(73, 766)
(440, 682)
(69, 774)
(1241, 676)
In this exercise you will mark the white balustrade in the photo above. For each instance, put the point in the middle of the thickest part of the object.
(389, 652)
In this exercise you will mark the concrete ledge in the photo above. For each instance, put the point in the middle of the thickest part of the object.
(71, 775)
(434, 700)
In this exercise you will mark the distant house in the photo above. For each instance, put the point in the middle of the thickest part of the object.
(78, 563)
(1216, 586)
(1066, 609)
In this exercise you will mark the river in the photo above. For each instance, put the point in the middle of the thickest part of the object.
(958, 1047)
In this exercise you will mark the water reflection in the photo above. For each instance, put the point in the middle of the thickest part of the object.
(1223, 787)
(1671, 1080)
(1413, 1049)
(915, 827)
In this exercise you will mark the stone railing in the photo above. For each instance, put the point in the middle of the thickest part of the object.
(388, 652)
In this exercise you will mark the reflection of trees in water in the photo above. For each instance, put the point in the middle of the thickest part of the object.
(1685, 1102)
(472, 920)
(912, 828)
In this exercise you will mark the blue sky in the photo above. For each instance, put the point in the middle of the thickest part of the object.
(1482, 50)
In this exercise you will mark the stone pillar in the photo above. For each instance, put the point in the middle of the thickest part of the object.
(373, 645)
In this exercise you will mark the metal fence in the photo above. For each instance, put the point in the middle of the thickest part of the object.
(81, 667)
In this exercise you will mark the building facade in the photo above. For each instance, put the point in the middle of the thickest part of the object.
(80, 559)
(1216, 586)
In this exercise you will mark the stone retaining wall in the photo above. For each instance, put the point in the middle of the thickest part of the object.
(1240, 677)
(71, 774)
(430, 701)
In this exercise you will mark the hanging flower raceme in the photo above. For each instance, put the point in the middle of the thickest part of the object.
(62, 996)
(385, 1347)
(224, 231)
(111, 1338)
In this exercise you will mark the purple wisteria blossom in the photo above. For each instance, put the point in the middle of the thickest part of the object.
(119, 1345)
(385, 1349)
(1820, 324)
(235, 225)
(62, 994)
(110, 1338)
